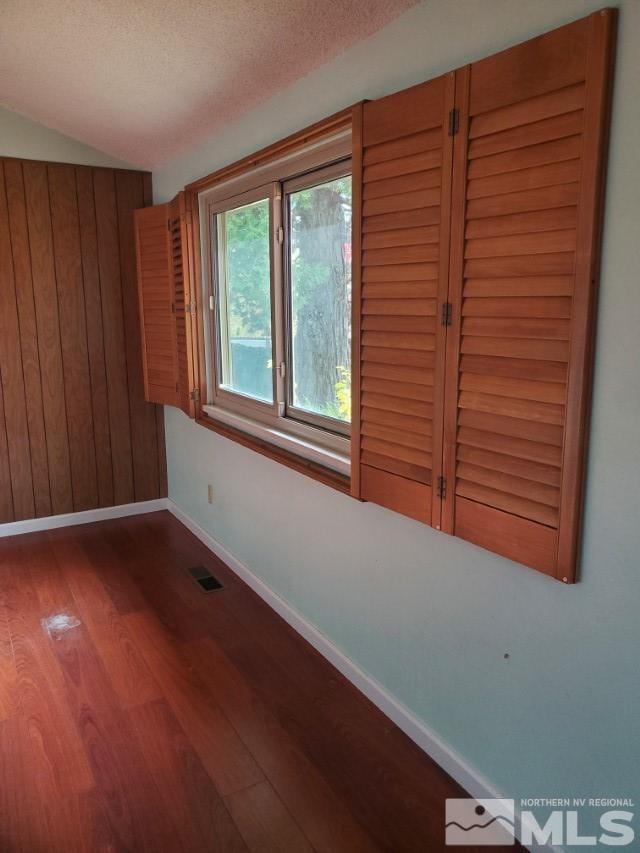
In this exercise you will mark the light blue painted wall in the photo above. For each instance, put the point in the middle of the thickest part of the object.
(430, 616)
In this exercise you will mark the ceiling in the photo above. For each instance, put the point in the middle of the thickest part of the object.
(143, 80)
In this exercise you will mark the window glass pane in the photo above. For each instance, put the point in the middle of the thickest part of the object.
(245, 301)
(320, 294)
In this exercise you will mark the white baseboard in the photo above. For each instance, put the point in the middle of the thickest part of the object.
(419, 732)
(32, 525)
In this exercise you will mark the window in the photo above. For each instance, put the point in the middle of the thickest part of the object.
(278, 275)
(244, 300)
(318, 264)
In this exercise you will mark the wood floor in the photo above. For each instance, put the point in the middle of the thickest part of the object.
(139, 713)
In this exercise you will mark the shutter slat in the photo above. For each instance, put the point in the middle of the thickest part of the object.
(518, 448)
(554, 151)
(547, 413)
(534, 307)
(396, 436)
(400, 290)
(402, 219)
(550, 175)
(400, 237)
(557, 219)
(420, 162)
(523, 201)
(404, 146)
(541, 131)
(524, 468)
(521, 244)
(548, 285)
(402, 202)
(399, 422)
(374, 188)
(514, 368)
(525, 112)
(518, 506)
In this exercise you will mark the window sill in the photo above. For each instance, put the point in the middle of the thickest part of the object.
(320, 463)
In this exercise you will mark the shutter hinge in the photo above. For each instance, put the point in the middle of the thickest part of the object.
(454, 121)
(191, 307)
(195, 395)
(447, 312)
(442, 487)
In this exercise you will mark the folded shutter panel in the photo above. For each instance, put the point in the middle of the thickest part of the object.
(402, 182)
(164, 288)
(525, 210)
(183, 298)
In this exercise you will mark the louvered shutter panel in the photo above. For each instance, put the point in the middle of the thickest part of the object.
(525, 212)
(402, 177)
(164, 289)
(180, 239)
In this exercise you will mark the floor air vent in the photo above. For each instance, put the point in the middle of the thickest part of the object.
(205, 580)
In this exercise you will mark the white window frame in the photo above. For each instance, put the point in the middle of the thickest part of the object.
(275, 422)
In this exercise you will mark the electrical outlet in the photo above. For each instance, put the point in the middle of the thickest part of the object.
(210, 493)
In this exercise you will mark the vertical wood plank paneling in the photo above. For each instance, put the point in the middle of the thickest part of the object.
(163, 484)
(15, 414)
(14, 184)
(95, 336)
(48, 328)
(75, 431)
(114, 336)
(6, 496)
(73, 334)
(130, 195)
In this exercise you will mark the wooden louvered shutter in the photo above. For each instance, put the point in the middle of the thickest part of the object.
(402, 178)
(525, 213)
(166, 307)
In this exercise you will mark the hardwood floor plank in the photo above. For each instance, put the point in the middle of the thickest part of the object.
(125, 666)
(321, 815)
(226, 759)
(126, 788)
(187, 792)
(39, 695)
(98, 831)
(36, 815)
(264, 822)
(112, 571)
(8, 674)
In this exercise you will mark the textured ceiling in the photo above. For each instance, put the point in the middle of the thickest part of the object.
(146, 79)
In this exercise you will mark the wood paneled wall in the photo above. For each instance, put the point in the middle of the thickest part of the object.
(75, 430)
